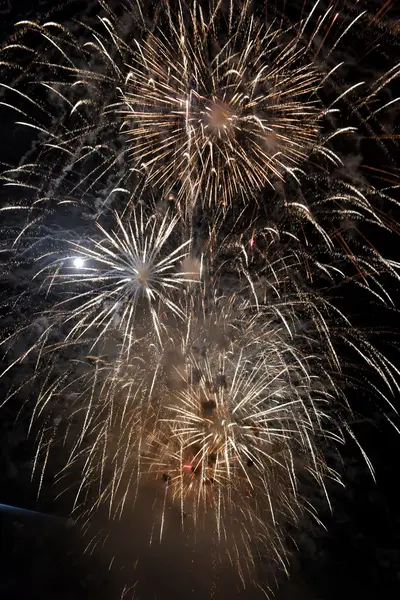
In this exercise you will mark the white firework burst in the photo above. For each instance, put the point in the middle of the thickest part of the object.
(133, 265)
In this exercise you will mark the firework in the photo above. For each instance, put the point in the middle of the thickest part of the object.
(222, 412)
(220, 117)
(113, 285)
(128, 264)
(178, 347)
(217, 422)
(209, 106)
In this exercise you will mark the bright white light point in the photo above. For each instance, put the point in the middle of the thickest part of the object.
(78, 262)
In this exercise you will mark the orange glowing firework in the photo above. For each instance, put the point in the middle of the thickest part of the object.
(223, 119)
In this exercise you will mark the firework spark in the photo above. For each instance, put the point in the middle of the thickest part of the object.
(218, 421)
(222, 118)
(109, 284)
(208, 106)
(228, 409)
(128, 264)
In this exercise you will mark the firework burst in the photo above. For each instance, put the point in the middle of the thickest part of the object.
(128, 264)
(208, 105)
(227, 421)
(221, 118)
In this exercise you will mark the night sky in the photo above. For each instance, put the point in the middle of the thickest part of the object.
(357, 555)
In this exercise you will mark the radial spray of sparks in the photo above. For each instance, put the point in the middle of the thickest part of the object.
(127, 265)
(110, 283)
(208, 106)
(221, 118)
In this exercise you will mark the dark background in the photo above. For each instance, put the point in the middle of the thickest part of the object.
(357, 555)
